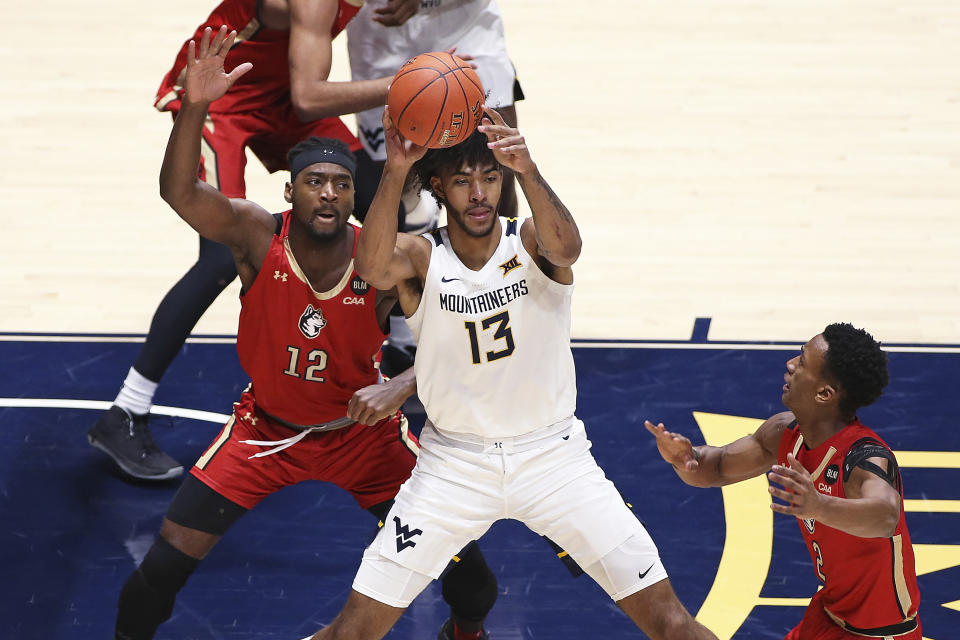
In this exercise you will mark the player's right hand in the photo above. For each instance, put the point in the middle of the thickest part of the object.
(673, 447)
(206, 79)
(400, 151)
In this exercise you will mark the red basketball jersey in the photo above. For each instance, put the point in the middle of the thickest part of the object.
(268, 83)
(868, 583)
(307, 352)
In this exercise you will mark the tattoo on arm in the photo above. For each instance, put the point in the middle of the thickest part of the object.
(562, 210)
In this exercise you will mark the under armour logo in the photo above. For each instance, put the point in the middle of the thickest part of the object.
(374, 137)
(404, 534)
(279, 276)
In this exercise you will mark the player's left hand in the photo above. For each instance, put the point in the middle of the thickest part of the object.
(372, 404)
(396, 12)
(206, 79)
(804, 500)
(508, 146)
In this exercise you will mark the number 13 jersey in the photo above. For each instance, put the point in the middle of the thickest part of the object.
(493, 346)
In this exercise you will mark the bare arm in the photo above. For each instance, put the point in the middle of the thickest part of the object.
(375, 402)
(235, 223)
(384, 257)
(871, 508)
(707, 466)
(310, 57)
(557, 235)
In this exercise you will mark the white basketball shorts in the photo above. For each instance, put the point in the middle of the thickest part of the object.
(547, 479)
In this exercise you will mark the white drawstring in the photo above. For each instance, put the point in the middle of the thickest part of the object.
(333, 425)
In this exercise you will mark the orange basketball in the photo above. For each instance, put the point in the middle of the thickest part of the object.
(435, 100)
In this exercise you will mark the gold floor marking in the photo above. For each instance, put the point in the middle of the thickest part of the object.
(748, 547)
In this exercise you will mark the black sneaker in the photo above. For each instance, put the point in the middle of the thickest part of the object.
(446, 632)
(126, 438)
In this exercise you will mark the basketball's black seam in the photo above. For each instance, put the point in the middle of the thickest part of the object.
(446, 92)
(466, 102)
(430, 55)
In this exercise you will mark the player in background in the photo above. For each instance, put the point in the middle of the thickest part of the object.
(309, 331)
(838, 478)
(489, 299)
(285, 98)
(473, 26)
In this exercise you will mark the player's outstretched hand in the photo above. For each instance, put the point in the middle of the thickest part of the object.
(401, 152)
(206, 79)
(373, 403)
(509, 147)
(804, 501)
(396, 12)
(673, 447)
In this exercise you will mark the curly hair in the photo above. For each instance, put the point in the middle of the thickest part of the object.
(858, 364)
(440, 162)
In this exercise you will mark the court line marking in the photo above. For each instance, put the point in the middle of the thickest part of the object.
(576, 343)
(102, 405)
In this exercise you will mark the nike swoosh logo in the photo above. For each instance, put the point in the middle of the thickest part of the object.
(644, 573)
(443, 279)
(566, 437)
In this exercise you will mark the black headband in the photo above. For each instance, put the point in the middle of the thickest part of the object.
(323, 154)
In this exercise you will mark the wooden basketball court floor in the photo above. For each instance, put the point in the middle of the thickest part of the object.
(766, 168)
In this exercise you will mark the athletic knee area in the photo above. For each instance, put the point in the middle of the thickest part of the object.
(632, 566)
(148, 595)
(388, 582)
(469, 587)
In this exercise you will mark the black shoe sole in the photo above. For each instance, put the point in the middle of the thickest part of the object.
(172, 473)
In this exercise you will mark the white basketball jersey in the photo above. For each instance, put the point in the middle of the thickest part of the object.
(493, 346)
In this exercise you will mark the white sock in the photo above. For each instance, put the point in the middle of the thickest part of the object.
(136, 395)
(400, 334)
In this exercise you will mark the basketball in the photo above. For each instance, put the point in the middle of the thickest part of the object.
(435, 100)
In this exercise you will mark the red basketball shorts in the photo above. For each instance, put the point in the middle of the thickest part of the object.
(817, 625)
(369, 462)
(269, 132)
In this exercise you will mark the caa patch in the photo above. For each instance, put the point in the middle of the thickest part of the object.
(359, 286)
(832, 474)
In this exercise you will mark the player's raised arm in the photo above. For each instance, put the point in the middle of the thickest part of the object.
(383, 256)
(310, 56)
(203, 207)
(558, 239)
(707, 466)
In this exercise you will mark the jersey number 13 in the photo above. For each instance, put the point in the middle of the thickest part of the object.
(501, 332)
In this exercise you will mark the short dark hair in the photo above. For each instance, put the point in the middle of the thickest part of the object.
(858, 364)
(471, 152)
(314, 143)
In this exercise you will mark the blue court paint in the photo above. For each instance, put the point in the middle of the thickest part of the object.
(72, 527)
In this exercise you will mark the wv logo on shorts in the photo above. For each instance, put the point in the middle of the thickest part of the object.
(374, 137)
(404, 535)
(311, 321)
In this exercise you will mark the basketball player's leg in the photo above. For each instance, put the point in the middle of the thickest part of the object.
(147, 598)
(222, 486)
(585, 514)
(372, 467)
